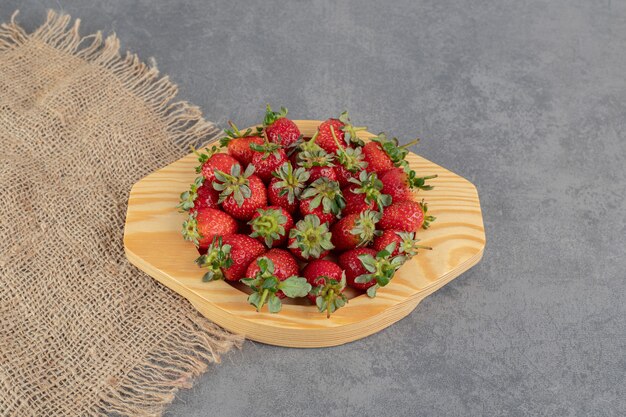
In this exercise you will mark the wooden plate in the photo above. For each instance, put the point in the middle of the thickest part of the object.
(153, 243)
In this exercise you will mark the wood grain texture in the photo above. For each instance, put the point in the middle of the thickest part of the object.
(153, 243)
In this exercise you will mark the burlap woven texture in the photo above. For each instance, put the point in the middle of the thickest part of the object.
(82, 332)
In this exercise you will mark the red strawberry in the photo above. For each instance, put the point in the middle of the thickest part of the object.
(286, 187)
(368, 270)
(285, 265)
(267, 159)
(271, 226)
(310, 239)
(200, 195)
(405, 216)
(382, 153)
(350, 164)
(355, 203)
(207, 196)
(365, 194)
(398, 183)
(202, 226)
(355, 230)
(319, 164)
(334, 134)
(324, 136)
(376, 158)
(324, 199)
(352, 265)
(279, 129)
(272, 277)
(323, 172)
(406, 243)
(213, 160)
(240, 194)
(328, 281)
(395, 183)
(228, 257)
(344, 175)
(238, 143)
(318, 271)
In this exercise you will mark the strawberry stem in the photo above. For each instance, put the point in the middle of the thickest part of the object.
(195, 151)
(332, 132)
(262, 301)
(234, 127)
(331, 294)
(406, 145)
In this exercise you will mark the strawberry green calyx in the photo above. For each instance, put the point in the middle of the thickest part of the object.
(292, 182)
(310, 145)
(350, 131)
(294, 147)
(365, 227)
(427, 219)
(381, 268)
(316, 158)
(267, 148)
(409, 246)
(329, 296)
(369, 185)
(270, 225)
(235, 133)
(265, 286)
(188, 198)
(351, 159)
(302, 145)
(396, 153)
(234, 183)
(190, 229)
(418, 182)
(203, 157)
(311, 236)
(327, 193)
(272, 116)
(216, 258)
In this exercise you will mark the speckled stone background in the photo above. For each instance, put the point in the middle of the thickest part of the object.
(527, 99)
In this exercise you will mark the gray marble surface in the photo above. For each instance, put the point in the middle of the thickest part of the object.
(527, 99)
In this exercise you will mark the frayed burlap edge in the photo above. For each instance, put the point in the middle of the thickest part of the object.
(182, 355)
(184, 121)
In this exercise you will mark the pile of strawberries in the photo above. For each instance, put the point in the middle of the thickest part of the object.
(292, 217)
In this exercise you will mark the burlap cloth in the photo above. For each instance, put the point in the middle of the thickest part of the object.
(82, 332)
